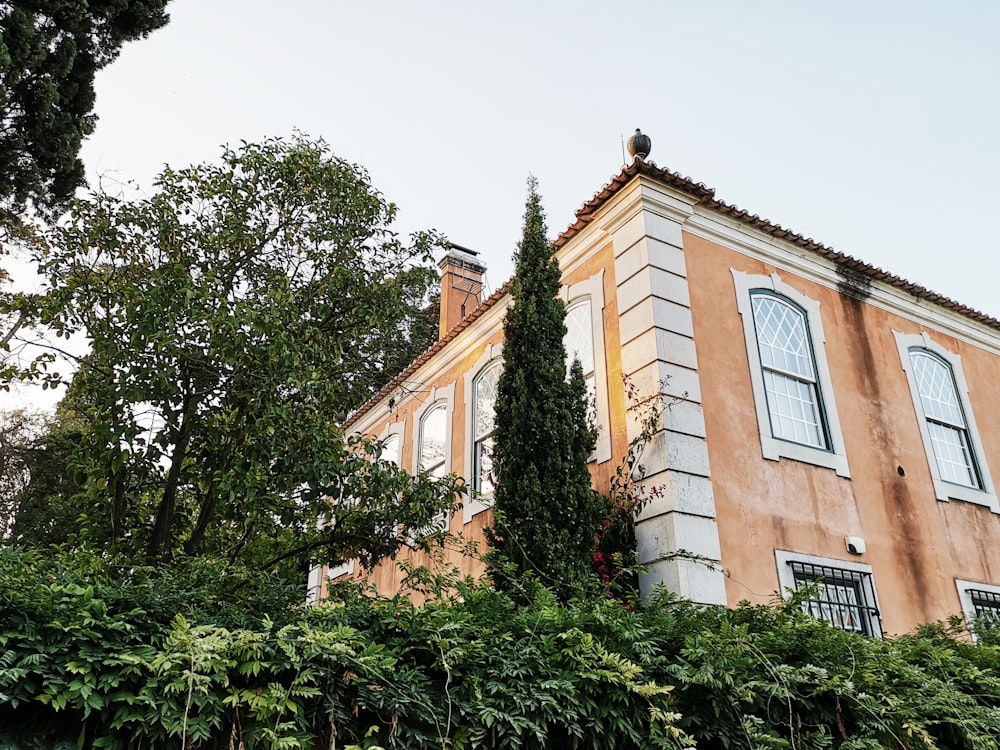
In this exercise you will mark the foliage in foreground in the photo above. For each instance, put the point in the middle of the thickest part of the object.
(49, 55)
(92, 656)
(231, 318)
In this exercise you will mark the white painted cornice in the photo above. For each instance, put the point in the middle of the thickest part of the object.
(637, 197)
(787, 256)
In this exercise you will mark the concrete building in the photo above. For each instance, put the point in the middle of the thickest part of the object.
(824, 420)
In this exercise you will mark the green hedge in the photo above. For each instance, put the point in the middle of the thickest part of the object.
(94, 656)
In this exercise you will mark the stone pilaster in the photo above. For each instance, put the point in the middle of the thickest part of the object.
(677, 536)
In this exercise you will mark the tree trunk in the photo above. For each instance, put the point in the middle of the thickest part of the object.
(161, 539)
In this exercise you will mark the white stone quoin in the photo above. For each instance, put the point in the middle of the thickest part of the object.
(676, 533)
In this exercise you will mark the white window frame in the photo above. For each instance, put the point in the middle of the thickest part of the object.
(833, 456)
(475, 504)
(395, 430)
(943, 490)
(865, 577)
(968, 608)
(441, 395)
(344, 569)
(314, 584)
(593, 288)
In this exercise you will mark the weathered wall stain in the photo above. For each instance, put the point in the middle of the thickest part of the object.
(885, 446)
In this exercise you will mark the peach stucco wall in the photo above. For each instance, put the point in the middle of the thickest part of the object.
(387, 577)
(603, 260)
(917, 545)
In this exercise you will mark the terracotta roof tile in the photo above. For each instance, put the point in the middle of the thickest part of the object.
(704, 196)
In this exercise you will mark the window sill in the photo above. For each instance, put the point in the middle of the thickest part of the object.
(472, 507)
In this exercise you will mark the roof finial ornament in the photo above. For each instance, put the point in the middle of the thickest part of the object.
(639, 145)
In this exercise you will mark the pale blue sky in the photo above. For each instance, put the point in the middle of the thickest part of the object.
(870, 126)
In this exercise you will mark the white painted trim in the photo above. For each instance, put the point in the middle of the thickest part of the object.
(344, 569)
(638, 200)
(579, 250)
(772, 448)
(474, 505)
(395, 430)
(438, 396)
(946, 490)
(965, 601)
(594, 289)
(645, 194)
(314, 584)
(786, 578)
(737, 236)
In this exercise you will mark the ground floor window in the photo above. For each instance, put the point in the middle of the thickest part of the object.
(980, 604)
(844, 592)
(986, 604)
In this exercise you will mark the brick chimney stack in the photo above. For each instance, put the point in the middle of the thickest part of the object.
(461, 286)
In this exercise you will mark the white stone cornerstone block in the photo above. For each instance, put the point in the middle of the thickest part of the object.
(699, 582)
(654, 282)
(648, 253)
(654, 312)
(657, 344)
(672, 450)
(670, 491)
(671, 533)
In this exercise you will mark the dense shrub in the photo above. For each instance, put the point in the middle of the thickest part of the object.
(89, 662)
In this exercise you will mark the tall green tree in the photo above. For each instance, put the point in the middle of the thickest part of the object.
(546, 513)
(50, 51)
(38, 496)
(233, 317)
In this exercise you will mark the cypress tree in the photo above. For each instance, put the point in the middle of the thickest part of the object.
(545, 513)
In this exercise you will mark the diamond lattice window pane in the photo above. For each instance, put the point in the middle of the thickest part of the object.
(938, 394)
(781, 337)
(579, 338)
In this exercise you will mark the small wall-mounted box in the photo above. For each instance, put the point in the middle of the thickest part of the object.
(855, 545)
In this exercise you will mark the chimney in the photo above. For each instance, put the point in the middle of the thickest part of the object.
(461, 285)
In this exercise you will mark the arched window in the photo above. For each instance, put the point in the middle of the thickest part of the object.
(793, 393)
(958, 465)
(584, 340)
(484, 403)
(390, 450)
(788, 364)
(433, 440)
(946, 422)
(579, 339)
